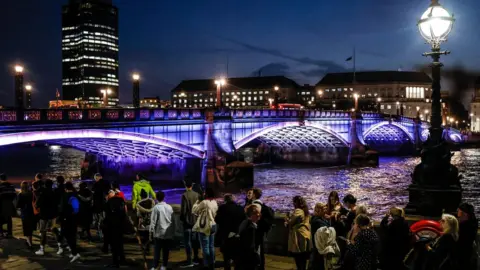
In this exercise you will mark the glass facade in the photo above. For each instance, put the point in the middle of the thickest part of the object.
(90, 51)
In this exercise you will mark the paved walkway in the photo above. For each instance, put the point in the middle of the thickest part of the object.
(15, 256)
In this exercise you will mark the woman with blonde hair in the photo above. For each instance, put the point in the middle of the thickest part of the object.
(299, 235)
(442, 252)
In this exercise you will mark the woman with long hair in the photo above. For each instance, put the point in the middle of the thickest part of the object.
(299, 232)
(466, 236)
(441, 255)
(362, 250)
(24, 203)
(333, 204)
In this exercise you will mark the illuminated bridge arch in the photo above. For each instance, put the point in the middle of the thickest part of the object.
(388, 137)
(294, 135)
(107, 142)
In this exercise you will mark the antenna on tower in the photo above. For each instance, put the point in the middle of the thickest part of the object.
(227, 66)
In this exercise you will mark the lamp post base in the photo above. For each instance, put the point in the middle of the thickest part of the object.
(432, 201)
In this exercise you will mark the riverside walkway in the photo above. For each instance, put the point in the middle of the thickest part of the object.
(15, 256)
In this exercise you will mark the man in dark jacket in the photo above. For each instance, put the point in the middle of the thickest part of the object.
(115, 215)
(229, 217)
(59, 190)
(189, 198)
(69, 208)
(47, 205)
(7, 207)
(249, 248)
(100, 190)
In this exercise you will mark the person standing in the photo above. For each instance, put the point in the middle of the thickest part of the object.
(248, 247)
(46, 202)
(362, 250)
(85, 215)
(466, 236)
(319, 220)
(7, 206)
(139, 184)
(189, 198)
(396, 240)
(115, 217)
(144, 213)
(24, 203)
(248, 198)
(229, 217)
(442, 254)
(59, 191)
(265, 223)
(162, 231)
(118, 192)
(100, 191)
(70, 207)
(205, 225)
(299, 233)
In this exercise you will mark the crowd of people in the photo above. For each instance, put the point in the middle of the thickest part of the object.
(337, 235)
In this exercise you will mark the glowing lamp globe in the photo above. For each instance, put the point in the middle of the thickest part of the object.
(435, 23)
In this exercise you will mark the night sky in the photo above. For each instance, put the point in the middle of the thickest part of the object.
(168, 41)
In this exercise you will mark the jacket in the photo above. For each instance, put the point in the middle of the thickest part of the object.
(317, 223)
(66, 208)
(249, 247)
(100, 190)
(189, 198)
(229, 217)
(206, 211)
(326, 245)
(396, 242)
(162, 223)
(137, 189)
(24, 203)
(47, 204)
(364, 252)
(443, 255)
(144, 213)
(7, 198)
(299, 236)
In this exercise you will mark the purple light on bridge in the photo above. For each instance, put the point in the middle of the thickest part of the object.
(56, 135)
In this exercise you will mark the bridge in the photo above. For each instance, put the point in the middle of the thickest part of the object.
(176, 134)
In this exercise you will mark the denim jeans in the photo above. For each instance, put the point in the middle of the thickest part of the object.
(191, 242)
(208, 248)
(163, 245)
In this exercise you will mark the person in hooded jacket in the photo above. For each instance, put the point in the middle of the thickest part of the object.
(144, 212)
(468, 226)
(396, 240)
(141, 184)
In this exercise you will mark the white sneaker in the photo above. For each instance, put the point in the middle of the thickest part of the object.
(60, 251)
(153, 268)
(70, 256)
(69, 249)
(74, 258)
(163, 268)
(40, 252)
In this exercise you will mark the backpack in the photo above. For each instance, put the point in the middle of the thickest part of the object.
(75, 204)
(267, 219)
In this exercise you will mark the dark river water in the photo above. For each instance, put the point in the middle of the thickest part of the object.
(378, 188)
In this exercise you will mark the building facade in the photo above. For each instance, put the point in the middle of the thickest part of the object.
(391, 92)
(475, 108)
(237, 92)
(90, 52)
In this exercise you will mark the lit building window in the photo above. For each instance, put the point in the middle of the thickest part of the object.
(389, 107)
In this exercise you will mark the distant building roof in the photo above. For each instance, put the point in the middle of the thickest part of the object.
(375, 77)
(236, 83)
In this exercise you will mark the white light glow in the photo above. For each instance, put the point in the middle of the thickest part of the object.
(18, 69)
(136, 76)
(276, 88)
(28, 87)
(435, 23)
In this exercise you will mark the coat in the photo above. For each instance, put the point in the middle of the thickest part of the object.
(396, 242)
(137, 189)
(299, 236)
(443, 255)
(206, 211)
(326, 245)
(100, 190)
(229, 217)
(249, 246)
(162, 224)
(363, 253)
(189, 198)
(7, 199)
(47, 204)
(466, 237)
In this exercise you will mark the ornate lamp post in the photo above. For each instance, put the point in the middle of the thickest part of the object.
(28, 101)
(436, 184)
(19, 89)
(219, 84)
(136, 90)
(356, 96)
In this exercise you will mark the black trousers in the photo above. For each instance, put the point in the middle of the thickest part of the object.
(262, 253)
(161, 245)
(301, 260)
(8, 221)
(68, 231)
(230, 251)
(115, 238)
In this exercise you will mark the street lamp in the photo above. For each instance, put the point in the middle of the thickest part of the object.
(398, 107)
(418, 110)
(28, 101)
(426, 115)
(276, 96)
(356, 96)
(221, 82)
(436, 184)
(19, 89)
(105, 92)
(136, 90)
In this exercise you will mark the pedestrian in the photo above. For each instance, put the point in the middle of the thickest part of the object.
(299, 232)
(162, 231)
(139, 184)
(248, 197)
(24, 203)
(118, 192)
(85, 215)
(229, 217)
(265, 223)
(69, 209)
(144, 213)
(248, 248)
(189, 198)
(115, 218)
(38, 177)
(360, 210)
(349, 213)
(59, 191)
(442, 253)
(396, 239)
(333, 205)
(206, 210)
(100, 191)
(327, 248)
(466, 236)
(7, 205)
(363, 249)
(46, 203)
(319, 220)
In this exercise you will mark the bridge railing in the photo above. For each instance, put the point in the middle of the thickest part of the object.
(42, 116)
(269, 113)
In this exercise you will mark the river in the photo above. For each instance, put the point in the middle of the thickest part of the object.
(379, 188)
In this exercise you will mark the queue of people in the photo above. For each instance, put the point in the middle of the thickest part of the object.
(337, 235)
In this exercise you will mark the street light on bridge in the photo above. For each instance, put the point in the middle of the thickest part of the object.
(19, 89)
(28, 100)
(105, 93)
(136, 90)
(221, 82)
(379, 100)
(356, 96)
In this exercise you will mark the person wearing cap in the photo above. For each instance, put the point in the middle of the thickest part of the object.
(100, 190)
(141, 184)
(466, 236)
